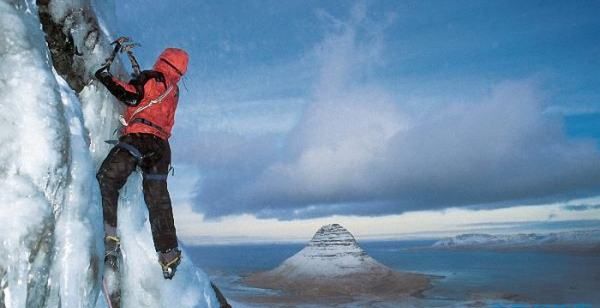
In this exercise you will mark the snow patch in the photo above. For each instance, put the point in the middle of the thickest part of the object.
(568, 238)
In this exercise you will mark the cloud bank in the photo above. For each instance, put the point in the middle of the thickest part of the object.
(356, 149)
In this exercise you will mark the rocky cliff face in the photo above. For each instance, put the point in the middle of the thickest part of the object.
(333, 265)
(333, 241)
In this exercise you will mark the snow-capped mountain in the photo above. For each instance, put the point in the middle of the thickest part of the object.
(570, 239)
(332, 251)
(54, 119)
(332, 263)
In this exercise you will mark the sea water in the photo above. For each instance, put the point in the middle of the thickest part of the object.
(532, 277)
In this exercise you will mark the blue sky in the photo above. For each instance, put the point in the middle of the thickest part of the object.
(308, 109)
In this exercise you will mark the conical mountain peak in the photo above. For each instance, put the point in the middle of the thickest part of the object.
(332, 251)
(333, 235)
(333, 264)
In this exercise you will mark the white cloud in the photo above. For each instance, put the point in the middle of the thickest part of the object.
(360, 147)
(193, 229)
(356, 148)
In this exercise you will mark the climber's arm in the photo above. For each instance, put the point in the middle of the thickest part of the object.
(130, 93)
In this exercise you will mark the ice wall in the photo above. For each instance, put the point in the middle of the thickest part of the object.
(52, 141)
(35, 161)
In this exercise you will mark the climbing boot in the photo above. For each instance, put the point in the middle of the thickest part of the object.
(169, 260)
(112, 250)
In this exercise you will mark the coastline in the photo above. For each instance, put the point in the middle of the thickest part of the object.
(389, 286)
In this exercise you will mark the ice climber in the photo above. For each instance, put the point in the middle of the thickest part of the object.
(151, 100)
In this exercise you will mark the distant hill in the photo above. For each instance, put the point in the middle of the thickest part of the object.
(587, 240)
(334, 265)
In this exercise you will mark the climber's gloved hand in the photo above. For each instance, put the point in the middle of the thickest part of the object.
(102, 73)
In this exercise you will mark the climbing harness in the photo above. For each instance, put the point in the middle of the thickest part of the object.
(129, 148)
(148, 123)
(160, 176)
(139, 157)
(156, 176)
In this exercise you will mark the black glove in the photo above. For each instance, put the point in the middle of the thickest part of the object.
(102, 73)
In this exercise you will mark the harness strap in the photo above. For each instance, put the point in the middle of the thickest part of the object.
(155, 176)
(146, 122)
(131, 149)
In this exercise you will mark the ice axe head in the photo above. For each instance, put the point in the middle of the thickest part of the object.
(121, 40)
(129, 47)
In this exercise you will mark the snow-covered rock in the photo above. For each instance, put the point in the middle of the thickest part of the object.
(584, 239)
(334, 265)
(331, 252)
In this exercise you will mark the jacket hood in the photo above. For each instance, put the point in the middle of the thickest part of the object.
(173, 63)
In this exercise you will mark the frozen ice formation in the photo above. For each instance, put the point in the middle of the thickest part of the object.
(53, 123)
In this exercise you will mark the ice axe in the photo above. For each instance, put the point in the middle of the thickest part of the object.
(128, 48)
(117, 43)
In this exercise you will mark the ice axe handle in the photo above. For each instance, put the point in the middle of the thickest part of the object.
(118, 42)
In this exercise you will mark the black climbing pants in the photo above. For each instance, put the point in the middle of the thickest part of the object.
(154, 162)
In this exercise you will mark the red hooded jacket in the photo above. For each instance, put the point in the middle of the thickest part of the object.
(154, 112)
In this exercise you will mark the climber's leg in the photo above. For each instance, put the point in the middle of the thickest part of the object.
(112, 175)
(160, 211)
(157, 198)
